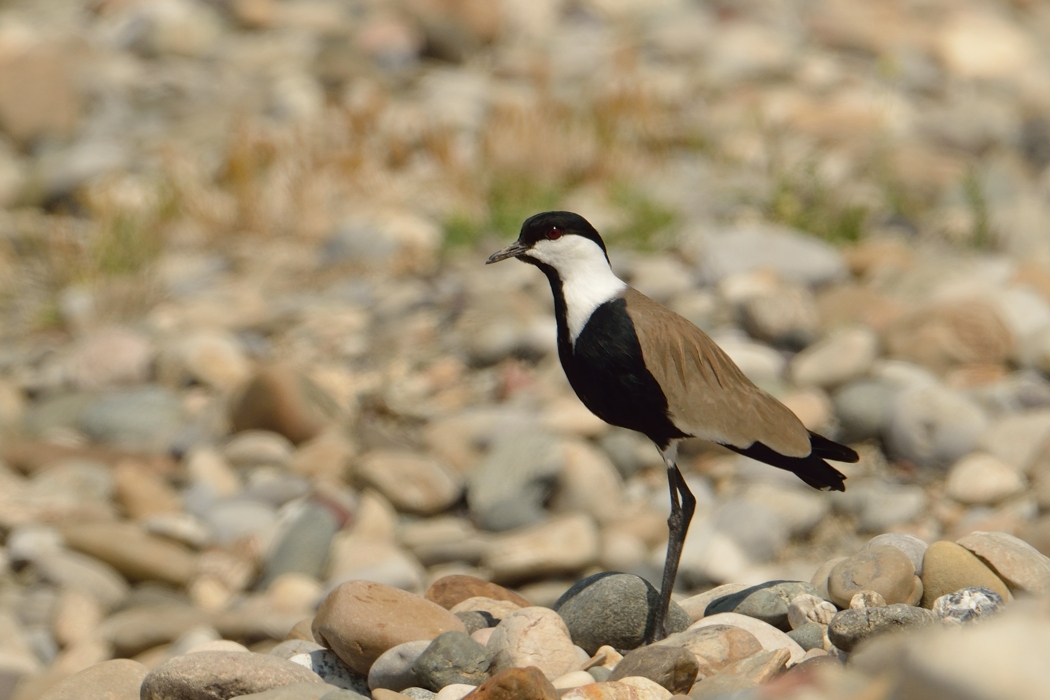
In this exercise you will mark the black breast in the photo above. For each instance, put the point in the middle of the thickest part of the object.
(608, 373)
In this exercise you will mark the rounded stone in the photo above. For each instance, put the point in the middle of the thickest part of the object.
(839, 358)
(933, 426)
(360, 620)
(768, 636)
(533, 637)
(413, 483)
(949, 567)
(914, 547)
(714, 647)
(516, 684)
(332, 670)
(806, 608)
(585, 607)
(117, 679)
(449, 591)
(452, 657)
(850, 627)
(673, 668)
(863, 408)
(881, 568)
(768, 602)
(508, 489)
(809, 635)
(207, 675)
(967, 605)
(1019, 564)
(394, 670)
(983, 479)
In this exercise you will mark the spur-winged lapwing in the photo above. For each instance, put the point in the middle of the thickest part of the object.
(637, 364)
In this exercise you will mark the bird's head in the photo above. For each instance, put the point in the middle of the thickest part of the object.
(560, 240)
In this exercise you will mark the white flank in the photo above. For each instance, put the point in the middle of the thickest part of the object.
(587, 280)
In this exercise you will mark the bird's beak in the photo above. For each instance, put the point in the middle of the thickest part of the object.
(512, 251)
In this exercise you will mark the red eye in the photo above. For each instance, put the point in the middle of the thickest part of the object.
(553, 234)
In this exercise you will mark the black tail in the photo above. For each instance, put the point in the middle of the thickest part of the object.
(812, 468)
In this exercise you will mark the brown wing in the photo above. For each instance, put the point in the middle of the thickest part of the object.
(707, 394)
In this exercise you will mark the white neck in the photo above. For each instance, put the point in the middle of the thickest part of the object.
(586, 278)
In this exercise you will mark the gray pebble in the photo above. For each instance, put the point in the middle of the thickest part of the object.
(326, 664)
(419, 693)
(586, 607)
(863, 408)
(967, 605)
(850, 627)
(452, 657)
(475, 620)
(509, 488)
(600, 674)
(809, 635)
(767, 601)
(393, 669)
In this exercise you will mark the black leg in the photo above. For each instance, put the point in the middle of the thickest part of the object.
(682, 510)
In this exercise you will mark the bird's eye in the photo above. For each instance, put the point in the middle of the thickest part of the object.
(553, 234)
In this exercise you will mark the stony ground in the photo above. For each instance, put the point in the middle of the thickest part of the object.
(259, 393)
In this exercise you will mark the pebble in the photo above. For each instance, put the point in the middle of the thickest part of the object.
(934, 426)
(866, 599)
(849, 627)
(208, 674)
(941, 335)
(508, 489)
(914, 547)
(411, 482)
(883, 569)
(452, 657)
(809, 635)
(1017, 438)
(983, 479)
(742, 675)
(672, 668)
(785, 317)
(768, 636)
(967, 605)
(283, 400)
(213, 358)
(359, 620)
(794, 256)
(583, 608)
(806, 608)
(147, 418)
(302, 544)
(394, 668)
(840, 358)
(331, 669)
(516, 684)
(1020, 565)
(450, 591)
(588, 483)
(134, 553)
(303, 691)
(562, 545)
(864, 408)
(948, 567)
(533, 636)
(116, 679)
(714, 646)
(768, 602)
(111, 357)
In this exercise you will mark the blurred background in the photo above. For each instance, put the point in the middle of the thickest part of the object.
(249, 348)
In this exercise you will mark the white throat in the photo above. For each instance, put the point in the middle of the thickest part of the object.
(587, 280)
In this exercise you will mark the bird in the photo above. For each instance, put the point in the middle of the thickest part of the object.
(636, 364)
